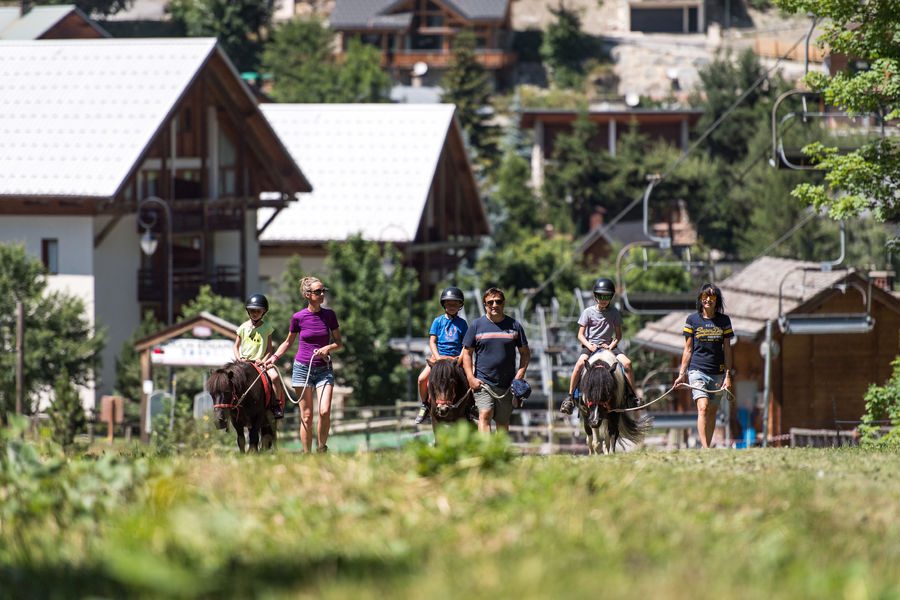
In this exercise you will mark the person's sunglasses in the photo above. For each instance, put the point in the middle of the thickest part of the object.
(319, 292)
(493, 302)
(708, 297)
(604, 297)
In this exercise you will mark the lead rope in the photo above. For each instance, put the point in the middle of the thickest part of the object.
(672, 389)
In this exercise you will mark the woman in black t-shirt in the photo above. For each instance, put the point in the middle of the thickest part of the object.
(707, 357)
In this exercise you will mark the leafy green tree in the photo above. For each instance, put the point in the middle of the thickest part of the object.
(467, 85)
(58, 337)
(66, 414)
(565, 47)
(517, 206)
(285, 299)
(92, 7)
(239, 25)
(865, 179)
(304, 69)
(372, 307)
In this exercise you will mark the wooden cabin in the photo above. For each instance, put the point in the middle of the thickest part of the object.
(62, 22)
(395, 174)
(817, 380)
(93, 129)
(422, 31)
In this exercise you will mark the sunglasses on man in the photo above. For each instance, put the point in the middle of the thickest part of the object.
(493, 302)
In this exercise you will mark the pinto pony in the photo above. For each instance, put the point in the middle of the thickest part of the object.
(239, 393)
(449, 394)
(602, 400)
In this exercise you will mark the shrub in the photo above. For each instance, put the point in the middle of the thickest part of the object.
(461, 447)
(883, 403)
(66, 413)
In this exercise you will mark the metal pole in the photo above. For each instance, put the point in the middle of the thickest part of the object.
(409, 375)
(767, 383)
(20, 356)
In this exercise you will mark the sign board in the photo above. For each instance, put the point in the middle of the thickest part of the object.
(203, 404)
(112, 407)
(156, 406)
(190, 352)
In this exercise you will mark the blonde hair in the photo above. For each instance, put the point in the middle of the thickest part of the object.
(306, 284)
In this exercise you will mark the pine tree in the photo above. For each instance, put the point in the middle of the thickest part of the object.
(467, 86)
(565, 47)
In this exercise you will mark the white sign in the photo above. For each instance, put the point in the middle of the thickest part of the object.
(193, 353)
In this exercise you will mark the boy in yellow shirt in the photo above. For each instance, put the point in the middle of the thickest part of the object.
(254, 343)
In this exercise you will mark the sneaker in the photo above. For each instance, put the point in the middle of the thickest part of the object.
(422, 414)
(568, 406)
(322, 449)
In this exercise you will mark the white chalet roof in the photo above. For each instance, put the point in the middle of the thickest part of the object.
(36, 22)
(76, 115)
(371, 167)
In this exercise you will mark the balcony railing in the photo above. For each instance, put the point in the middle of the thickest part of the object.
(489, 59)
(225, 280)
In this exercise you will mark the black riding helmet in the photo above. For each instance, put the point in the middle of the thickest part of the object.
(453, 293)
(604, 286)
(257, 301)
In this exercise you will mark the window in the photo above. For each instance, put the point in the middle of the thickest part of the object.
(50, 255)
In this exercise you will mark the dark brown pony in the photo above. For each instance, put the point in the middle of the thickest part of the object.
(602, 399)
(227, 386)
(449, 394)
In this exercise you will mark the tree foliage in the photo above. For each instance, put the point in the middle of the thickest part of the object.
(66, 414)
(883, 408)
(92, 7)
(466, 85)
(58, 337)
(129, 383)
(239, 25)
(372, 307)
(565, 46)
(866, 179)
(304, 69)
(230, 309)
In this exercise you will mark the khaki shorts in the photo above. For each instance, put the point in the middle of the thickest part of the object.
(502, 406)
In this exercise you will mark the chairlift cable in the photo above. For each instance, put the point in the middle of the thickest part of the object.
(615, 220)
(789, 233)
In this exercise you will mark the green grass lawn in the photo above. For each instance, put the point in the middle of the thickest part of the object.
(690, 524)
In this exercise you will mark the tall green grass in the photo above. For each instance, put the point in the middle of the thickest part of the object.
(448, 523)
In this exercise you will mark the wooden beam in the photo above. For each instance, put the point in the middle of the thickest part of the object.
(98, 239)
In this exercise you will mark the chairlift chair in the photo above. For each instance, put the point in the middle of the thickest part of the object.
(794, 158)
(655, 303)
(822, 324)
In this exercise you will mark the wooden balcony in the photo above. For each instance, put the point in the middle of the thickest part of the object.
(225, 280)
(492, 60)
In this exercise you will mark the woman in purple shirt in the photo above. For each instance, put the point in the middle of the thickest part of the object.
(319, 334)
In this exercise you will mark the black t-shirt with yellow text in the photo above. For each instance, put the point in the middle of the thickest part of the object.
(708, 337)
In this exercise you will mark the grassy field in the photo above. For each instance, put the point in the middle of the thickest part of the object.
(739, 524)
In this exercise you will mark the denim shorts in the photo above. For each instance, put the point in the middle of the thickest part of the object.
(707, 382)
(502, 405)
(319, 376)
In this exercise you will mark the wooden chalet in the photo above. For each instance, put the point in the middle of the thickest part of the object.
(422, 31)
(65, 21)
(669, 125)
(395, 174)
(817, 380)
(93, 128)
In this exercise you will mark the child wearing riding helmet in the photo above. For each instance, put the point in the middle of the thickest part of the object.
(254, 343)
(599, 327)
(445, 340)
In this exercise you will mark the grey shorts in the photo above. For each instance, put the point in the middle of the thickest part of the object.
(588, 353)
(501, 406)
(319, 376)
(707, 382)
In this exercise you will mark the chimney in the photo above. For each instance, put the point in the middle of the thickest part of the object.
(24, 7)
(598, 217)
(883, 279)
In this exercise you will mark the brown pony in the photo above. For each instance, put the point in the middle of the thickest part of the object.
(601, 405)
(238, 392)
(449, 394)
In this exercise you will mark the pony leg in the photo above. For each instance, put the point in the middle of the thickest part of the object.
(254, 439)
(241, 440)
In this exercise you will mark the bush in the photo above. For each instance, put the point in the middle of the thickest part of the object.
(461, 447)
(883, 403)
(182, 432)
(66, 413)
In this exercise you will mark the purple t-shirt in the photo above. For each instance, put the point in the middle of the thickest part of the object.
(314, 329)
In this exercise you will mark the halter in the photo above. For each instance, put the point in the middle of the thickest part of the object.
(236, 401)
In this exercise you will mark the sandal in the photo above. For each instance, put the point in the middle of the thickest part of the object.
(322, 449)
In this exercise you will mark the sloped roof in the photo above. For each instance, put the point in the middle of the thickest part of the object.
(751, 298)
(37, 21)
(372, 166)
(76, 116)
(356, 14)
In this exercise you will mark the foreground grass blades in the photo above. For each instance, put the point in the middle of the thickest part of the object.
(748, 524)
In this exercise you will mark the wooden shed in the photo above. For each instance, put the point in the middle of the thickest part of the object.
(817, 380)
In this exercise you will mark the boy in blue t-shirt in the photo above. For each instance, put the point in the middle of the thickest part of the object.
(445, 340)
